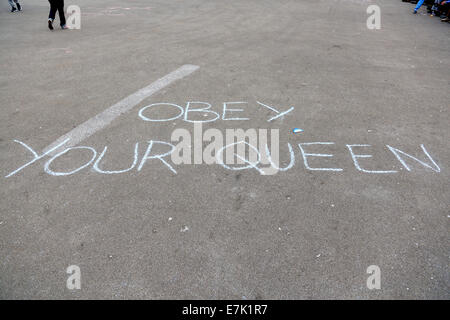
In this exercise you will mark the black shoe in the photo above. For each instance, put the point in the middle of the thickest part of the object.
(19, 7)
(50, 24)
(13, 10)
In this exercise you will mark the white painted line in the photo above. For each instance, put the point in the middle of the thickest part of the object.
(91, 126)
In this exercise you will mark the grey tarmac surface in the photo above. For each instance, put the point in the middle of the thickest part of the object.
(299, 234)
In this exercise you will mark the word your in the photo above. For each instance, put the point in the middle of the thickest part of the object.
(360, 153)
(374, 20)
(231, 111)
(73, 20)
(74, 280)
(374, 280)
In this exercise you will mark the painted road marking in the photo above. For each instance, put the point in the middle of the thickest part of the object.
(91, 126)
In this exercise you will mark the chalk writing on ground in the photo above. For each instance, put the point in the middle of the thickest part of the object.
(261, 157)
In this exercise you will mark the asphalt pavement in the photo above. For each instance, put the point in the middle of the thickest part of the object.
(375, 101)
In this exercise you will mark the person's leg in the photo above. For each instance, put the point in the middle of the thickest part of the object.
(52, 14)
(53, 7)
(445, 9)
(13, 7)
(441, 9)
(419, 4)
(62, 17)
(19, 7)
(435, 8)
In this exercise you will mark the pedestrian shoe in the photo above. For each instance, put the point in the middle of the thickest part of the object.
(446, 19)
(19, 7)
(13, 10)
(64, 27)
(50, 24)
(415, 12)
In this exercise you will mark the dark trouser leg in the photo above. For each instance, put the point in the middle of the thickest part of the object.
(444, 9)
(62, 17)
(52, 9)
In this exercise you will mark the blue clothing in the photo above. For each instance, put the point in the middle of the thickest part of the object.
(419, 4)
